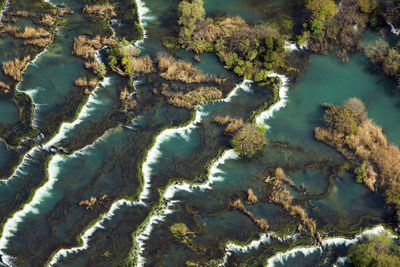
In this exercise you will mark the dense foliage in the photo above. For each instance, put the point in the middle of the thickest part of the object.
(381, 54)
(250, 51)
(377, 250)
(248, 140)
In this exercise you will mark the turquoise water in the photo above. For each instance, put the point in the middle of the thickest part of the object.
(105, 157)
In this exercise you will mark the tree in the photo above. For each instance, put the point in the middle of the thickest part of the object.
(378, 250)
(248, 140)
(190, 13)
(357, 108)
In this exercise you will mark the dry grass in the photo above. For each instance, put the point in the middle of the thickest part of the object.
(31, 32)
(261, 223)
(251, 198)
(4, 88)
(104, 10)
(39, 42)
(46, 20)
(190, 100)
(9, 29)
(281, 195)
(92, 65)
(370, 146)
(233, 124)
(171, 69)
(14, 68)
(142, 65)
(86, 47)
(85, 82)
(280, 175)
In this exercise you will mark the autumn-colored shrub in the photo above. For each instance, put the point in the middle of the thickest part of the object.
(104, 10)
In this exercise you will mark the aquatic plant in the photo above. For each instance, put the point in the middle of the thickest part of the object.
(251, 197)
(105, 10)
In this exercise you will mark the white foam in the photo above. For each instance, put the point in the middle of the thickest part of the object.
(144, 18)
(11, 225)
(289, 46)
(241, 86)
(283, 90)
(63, 253)
(329, 242)
(90, 106)
(393, 29)
(215, 175)
(5, 8)
(19, 170)
(340, 261)
(143, 235)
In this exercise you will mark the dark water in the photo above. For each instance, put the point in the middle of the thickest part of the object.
(134, 164)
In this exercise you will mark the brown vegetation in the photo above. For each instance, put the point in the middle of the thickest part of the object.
(281, 195)
(251, 198)
(142, 65)
(90, 203)
(172, 69)
(39, 42)
(280, 175)
(86, 83)
(129, 102)
(104, 10)
(45, 20)
(14, 68)
(192, 99)
(261, 223)
(4, 88)
(379, 160)
(233, 124)
(31, 32)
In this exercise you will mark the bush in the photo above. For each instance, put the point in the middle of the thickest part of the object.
(248, 140)
(377, 250)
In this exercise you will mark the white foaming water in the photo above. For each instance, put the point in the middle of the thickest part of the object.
(45, 191)
(154, 153)
(20, 168)
(340, 261)
(283, 90)
(11, 225)
(241, 86)
(336, 241)
(144, 234)
(289, 46)
(144, 18)
(86, 110)
(215, 174)
(393, 29)
(63, 253)
(5, 8)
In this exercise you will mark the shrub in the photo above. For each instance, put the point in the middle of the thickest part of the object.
(251, 198)
(248, 140)
(375, 250)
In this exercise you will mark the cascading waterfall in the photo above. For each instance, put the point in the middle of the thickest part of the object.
(63, 253)
(283, 91)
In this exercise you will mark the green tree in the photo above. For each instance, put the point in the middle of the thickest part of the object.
(190, 13)
(378, 250)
